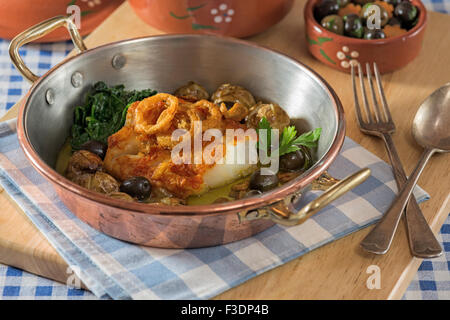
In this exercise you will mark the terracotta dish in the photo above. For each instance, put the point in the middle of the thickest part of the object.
(340, 52)
(159, 62)
(16, 16)
(225, 17)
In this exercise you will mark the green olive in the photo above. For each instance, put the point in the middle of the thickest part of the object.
(353, 26)
(263, 182)
(369, 10)
(333, 23)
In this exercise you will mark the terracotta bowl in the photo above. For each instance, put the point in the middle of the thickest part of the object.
(340, 52)
(224, 17)
(16, 16)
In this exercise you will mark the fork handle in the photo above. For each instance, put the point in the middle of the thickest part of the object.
(422, 241)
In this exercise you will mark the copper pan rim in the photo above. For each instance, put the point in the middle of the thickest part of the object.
(210, 210)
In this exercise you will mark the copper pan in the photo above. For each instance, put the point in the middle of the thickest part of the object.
(164, 63)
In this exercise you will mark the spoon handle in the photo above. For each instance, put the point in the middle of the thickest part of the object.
(379, 239)
(422, 242)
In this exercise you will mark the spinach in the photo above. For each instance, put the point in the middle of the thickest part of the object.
(103, 112)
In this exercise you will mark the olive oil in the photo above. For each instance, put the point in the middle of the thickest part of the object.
(62, 161)
(212, 195)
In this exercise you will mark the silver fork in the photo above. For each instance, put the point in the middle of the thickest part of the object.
(422, 241)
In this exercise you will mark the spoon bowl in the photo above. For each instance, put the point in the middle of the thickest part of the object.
(431, 126)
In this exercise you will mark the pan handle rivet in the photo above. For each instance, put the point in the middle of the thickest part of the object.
(77, 79)
(50, 96)
(118, 61)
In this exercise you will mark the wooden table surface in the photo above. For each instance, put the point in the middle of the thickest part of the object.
(337, 270)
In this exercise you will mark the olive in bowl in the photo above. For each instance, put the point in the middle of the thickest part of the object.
(353, 26)
(392, 47)
(371, 10)
(325, 8)
(371, 34)
(334, 23)
(406, 13)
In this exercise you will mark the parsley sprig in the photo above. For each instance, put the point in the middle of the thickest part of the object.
(289, 142)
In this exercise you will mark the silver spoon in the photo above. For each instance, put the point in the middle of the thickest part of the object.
(431, 129)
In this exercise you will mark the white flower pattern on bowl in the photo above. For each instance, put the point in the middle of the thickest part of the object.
(222, 14)
(346, 54)
(92, 3)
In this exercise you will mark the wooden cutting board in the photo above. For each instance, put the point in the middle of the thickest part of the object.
(337, 270)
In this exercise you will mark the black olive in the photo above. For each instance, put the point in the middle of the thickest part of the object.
(393, 2)
(137, 187)
(292, 161)
(333, 23)
(362, 2)
(394, 22)
(372, 34)
(96, 147)
(325, 8)
(406, 12)
(263, 182)
(353, 26)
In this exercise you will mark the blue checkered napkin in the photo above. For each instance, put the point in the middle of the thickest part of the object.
(17, 284)
(38, 57)
(442, 6)
(119, 270)
(432, 281)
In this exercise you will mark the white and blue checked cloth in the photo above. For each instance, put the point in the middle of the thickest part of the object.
(219, 269)
(119, 270)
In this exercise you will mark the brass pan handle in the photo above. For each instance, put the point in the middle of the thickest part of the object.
(283, 212)
(38, 31)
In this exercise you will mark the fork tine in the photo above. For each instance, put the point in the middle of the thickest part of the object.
(364, 95)
(355, 97)
(376, 107)
(387, 112)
